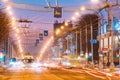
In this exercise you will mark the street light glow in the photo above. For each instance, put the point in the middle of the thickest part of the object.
(62, 27)
(10, 13)
(66, 23)
(57, 31)
(77, 13)
(73, 18)
(82, 8)
(95, 1)
(8, 8)
(4, 0)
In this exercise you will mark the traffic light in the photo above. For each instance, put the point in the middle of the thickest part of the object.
(45, 32)
(57, 12)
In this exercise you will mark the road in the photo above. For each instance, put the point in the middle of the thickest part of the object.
(49, 74)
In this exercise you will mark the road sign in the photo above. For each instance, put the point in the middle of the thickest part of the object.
(41, 36)
(37, 40)
(45, 32)
(105, 50)
(57, 12)
(93, 41)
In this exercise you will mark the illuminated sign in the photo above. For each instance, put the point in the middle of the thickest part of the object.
(45, 32)
(57, 12)
(116, 24)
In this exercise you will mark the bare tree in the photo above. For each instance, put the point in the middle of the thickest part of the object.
(4, 26)
(86, 22)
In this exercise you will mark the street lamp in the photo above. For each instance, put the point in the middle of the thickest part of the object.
(57, 31)
(100, 18)
(95, 1)
(62, 27)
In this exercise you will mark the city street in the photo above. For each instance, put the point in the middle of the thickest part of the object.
(59, 39)
(53, 74)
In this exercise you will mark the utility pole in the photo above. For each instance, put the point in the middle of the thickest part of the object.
(92, 44)
(111, 34)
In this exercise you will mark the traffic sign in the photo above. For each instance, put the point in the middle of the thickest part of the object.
(57, 12)
(93, 41)
(45, 32)
(40, 36)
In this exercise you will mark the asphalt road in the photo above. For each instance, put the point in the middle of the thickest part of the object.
(48, 74)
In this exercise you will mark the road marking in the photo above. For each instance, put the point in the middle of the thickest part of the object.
(94, 75)
(50, 74)
(72, 70)
(87, 73)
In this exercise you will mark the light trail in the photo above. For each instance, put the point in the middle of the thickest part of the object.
(45, 47)
(13, 26)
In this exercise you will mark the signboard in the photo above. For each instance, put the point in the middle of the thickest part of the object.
(57, 12)
(45, 32)
(41, 36)
(93, 41)
(37, 40)
(105, 50)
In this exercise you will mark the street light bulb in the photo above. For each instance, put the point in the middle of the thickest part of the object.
(95, 1)
(77, 13)
(8, 8)
(83, 8)
(57, 31)
(66, 24)
(62, 27)
(4, 0)
(10, 13)
(73, 18)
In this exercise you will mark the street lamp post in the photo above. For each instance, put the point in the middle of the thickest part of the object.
(100, 18)
(76, 43)
(86, 46)
(92, 44)
(80, 42)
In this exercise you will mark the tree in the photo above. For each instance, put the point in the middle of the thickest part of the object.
(85, 22)
(4, 26)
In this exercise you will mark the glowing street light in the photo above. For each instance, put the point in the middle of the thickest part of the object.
(82, 8)
(73, 18)
(66, 23)
(95, 1)
(62, 27)
(77, 13)
(58, 31)
(4, 0)
(10, 13)
(8, 8)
